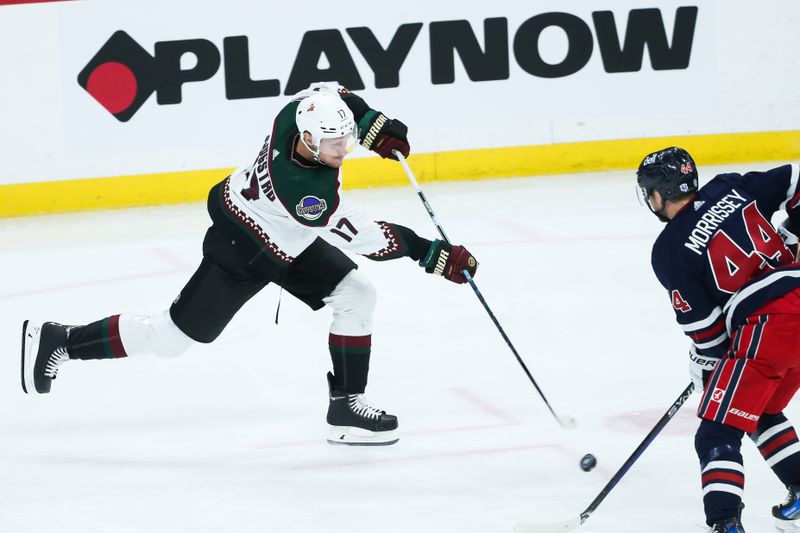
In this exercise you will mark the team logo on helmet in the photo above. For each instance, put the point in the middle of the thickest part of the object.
(311, 207)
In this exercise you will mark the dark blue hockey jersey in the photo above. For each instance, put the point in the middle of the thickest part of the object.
(720, 259)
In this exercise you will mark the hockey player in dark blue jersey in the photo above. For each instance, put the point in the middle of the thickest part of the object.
(734, 284)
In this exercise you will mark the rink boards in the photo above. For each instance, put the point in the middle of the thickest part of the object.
(135, 103)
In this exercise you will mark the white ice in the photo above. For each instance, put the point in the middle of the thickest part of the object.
(230, 436)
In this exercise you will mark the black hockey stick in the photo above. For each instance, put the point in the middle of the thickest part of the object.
(527, 527)
(565, 421)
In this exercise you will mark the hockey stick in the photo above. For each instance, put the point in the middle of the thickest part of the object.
(565, 421)
(569, 525)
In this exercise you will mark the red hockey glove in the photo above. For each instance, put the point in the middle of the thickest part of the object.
(384, 135)
(449, 261)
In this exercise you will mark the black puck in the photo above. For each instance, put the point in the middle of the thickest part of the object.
(588, 462)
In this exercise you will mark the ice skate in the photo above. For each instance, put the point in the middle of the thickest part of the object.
(43, 351)
(787, 514)
(354, 422)
(727, 525)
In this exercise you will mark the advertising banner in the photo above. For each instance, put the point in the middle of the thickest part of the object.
(124, 88)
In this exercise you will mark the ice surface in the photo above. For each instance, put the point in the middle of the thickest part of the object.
(230, 436)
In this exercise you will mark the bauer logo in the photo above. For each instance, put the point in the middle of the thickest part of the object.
(744, 414)
(311, 207)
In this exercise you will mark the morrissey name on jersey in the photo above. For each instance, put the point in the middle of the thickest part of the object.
(711, 219)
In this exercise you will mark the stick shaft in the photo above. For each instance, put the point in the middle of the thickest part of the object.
(421, 195)
(687, 392)
(472, 284)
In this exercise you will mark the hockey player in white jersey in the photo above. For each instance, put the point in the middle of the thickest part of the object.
(282, 220)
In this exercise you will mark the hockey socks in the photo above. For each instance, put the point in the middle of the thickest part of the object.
(98, 340)
(350, 356)
(722, 469)
(777, 441)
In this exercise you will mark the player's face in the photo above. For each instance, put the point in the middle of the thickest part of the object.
(333, 151)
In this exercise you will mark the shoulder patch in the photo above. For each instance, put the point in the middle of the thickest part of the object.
(311, 207)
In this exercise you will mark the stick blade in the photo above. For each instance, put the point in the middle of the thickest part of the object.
(567, 422)
(554, 527)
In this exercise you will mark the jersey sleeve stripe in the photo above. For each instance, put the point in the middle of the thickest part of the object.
(704, 323)
(715, 342)
(703, 335)
(792, 194)
(793, 201)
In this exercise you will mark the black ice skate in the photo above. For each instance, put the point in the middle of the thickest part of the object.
(356, 423)
(43, 351)
(787, 515)
(729, 525)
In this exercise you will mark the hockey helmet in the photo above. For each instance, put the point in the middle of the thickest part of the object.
(326, 117)
(670, 171)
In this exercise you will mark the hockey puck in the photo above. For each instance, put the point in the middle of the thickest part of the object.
(588, 462)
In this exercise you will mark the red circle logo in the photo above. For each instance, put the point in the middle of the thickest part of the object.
(114, 85)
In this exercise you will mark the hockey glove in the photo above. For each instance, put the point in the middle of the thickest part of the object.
(449, 261)
(700, 368)
(382, 135)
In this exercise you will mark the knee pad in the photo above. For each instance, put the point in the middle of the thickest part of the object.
(153, 334)
(716, 442)
(353, 303)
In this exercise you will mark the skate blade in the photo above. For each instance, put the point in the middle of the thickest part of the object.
(30, 347)
(352, 436)
(787, 526)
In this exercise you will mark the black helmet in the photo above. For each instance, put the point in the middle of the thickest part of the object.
(670, 171)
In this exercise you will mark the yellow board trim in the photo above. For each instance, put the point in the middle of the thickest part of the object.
(487, 163)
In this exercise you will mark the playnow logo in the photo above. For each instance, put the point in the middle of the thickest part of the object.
(122, 75)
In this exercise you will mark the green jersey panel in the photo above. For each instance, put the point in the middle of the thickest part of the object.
(309, 193)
